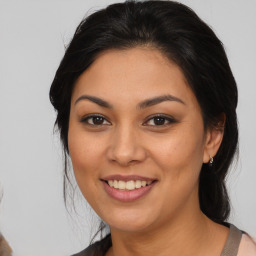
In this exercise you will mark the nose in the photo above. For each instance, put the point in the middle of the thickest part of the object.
(125, 148)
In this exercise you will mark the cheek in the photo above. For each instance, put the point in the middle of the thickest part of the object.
(180, 157)
(85, 152)
(180, 149)
(85, 148)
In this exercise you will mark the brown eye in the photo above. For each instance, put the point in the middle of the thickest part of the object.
(159, 120)
(96, 120)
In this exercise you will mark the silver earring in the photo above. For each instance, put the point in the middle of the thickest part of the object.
(211, 161)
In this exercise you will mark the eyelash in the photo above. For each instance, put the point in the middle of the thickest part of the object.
(164, 118)
(87, 118)
(169, 119)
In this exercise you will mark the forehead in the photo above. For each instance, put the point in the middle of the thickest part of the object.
(135, 73)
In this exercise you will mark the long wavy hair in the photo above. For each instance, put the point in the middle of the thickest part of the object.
(179, 34)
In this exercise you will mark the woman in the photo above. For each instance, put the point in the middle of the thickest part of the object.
(146, 108)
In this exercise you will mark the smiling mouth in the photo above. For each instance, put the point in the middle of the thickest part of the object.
(128, 185)
(127, 188)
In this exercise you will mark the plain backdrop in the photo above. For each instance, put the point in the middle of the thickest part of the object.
(32, 39)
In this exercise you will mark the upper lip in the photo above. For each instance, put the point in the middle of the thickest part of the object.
(127, 177)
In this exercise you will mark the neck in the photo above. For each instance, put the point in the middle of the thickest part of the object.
(187, 234)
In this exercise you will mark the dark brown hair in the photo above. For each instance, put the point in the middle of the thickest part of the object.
(176, 31)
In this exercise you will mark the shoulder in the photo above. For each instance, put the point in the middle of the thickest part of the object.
(247, 246)
(97, 249)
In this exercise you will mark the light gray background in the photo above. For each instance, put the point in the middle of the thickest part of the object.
(32, 38)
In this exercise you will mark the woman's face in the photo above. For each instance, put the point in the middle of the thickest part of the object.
(136, 125)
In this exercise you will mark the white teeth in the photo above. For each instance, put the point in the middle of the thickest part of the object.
(121, 184)
(129, 185)
(116, 184)
(143, 183)
(138, 184)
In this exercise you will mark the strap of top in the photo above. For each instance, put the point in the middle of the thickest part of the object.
(233, 242)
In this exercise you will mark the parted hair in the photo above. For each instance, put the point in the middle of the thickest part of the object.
(179, 34)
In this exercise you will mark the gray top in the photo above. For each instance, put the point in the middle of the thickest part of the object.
(233, 242)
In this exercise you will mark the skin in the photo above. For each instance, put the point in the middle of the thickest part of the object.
(128, 142)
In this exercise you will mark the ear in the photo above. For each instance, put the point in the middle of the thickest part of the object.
(213, 138)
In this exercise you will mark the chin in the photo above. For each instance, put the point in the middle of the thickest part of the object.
(129, 221)
(129, 227)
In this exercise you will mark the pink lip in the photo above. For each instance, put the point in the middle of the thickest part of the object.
(127, 177)
(127, 195)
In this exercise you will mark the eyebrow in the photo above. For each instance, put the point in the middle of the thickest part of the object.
(144, 104)
(94, 99)
(159, 99)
